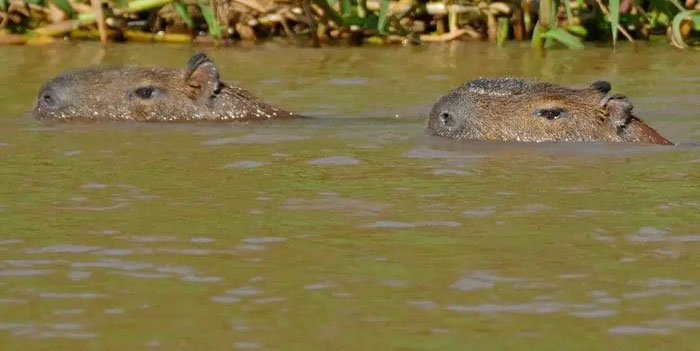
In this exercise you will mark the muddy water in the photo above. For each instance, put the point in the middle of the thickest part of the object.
(351, 231)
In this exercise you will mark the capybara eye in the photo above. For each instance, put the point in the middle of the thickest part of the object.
(550, 113)
(147, 92)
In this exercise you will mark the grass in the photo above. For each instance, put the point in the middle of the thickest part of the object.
(555, 23)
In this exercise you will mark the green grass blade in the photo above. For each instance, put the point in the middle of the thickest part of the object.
(65, 6)
(693, 15)
(614, 18)
(346, 8)
(361, 8)
(87, 18)
(210, 18)
(382, 24)
(3, 5)
(141, 5)
(677, 4)
(503, 30)
(577, 30)
(371, 21)
(554, 5)
(547, 19)
(564, 37)
(676, 27)
(569, 14)
(537, 41)
(668, 7)
(182, 11)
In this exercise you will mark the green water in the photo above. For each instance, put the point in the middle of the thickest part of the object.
(350, 231)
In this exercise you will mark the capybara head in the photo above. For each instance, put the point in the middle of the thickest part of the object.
(510, 109)
(149, 94)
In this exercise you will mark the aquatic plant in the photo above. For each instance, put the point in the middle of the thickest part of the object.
(546, 23)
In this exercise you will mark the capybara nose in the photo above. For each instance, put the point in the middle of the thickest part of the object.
(447, 119)
(48, 98)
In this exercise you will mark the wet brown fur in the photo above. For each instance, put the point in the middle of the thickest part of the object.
(511, 109)
(111, 93)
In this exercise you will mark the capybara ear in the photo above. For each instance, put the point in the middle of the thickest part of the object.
(601, 86)
(202, 78)
(619, 109)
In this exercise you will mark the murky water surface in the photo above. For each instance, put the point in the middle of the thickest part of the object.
(351, 231)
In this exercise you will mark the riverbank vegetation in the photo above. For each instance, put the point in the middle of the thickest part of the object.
(545, 23)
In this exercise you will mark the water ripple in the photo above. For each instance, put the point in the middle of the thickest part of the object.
(480, 280)
(66, 295)
(396, 224)
(594, 313)
(334, 203)
(334, 160)
(652, 234)
(661, 326)
(244, 164)
(683, 306)
(350, 81)
(253, 139)
(24, 272)
(66, 248)
(527, 308)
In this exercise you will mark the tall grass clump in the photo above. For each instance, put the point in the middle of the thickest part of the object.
(545, 23)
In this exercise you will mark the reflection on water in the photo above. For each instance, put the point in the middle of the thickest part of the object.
(351, 230)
